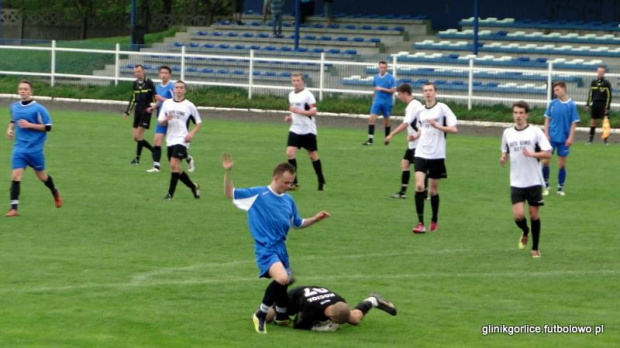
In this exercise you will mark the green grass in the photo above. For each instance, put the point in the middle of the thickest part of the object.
(116, 266)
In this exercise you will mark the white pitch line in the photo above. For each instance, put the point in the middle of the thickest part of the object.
(400, 276)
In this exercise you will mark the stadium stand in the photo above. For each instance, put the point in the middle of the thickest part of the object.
(492, 22)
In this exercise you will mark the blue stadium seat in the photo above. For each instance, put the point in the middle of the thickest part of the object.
(248, 35)
(263, 35)
(255, 23)
(270, 73)
(191, 69)
(269, 48)
(326, 38)
(342, 38)
(256, 73)
(285, 74)
(232, 34)
(286, 49)
(382, 27)
(255, 47)
(129, 66)
(217, 33)
(202, 33)
(350, 26)
(223, 46)
(179, 44)
(317, 50)
(375, 40)
(239, 47)
(334, 26)
(193, 44)
(358, 39)
(302, 49)
(318, 26)
(208, 45)
(399, 28)
(309, 37)
(206, 70)
(222, 71)
(334, 51)
(366, 27)
(350, 52)
(238, 72)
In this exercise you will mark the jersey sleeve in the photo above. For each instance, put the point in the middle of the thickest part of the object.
(244, 198)
(44, 116)
(542, 140)
(450, 116)
(195, 114)
(296, 220)
(574, 113)
(162, 112)
(393, 82)
(310, 100)
(548, 110)
(504, 146)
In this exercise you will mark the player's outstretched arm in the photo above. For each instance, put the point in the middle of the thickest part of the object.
(227, 163)
(322, 215)
(10, 131)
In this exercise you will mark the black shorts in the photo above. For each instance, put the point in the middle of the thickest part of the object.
(436, 168)
(597, 111)
(306, 141)
(409, 155)
(142, 119)
(177, 151)
(532, 195)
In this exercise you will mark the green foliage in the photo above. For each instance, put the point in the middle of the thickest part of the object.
(116, 266)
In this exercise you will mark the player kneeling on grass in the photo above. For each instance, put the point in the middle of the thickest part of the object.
(30, 122)
(175, 114)
(320, 309)
(526, 145)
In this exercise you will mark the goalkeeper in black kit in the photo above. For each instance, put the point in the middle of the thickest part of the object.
(142, 102)
(317, 308)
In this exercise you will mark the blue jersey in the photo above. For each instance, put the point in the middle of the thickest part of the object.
(164, 91)
(29, 140)
(270, 215)
(561, 116)
(386, 81)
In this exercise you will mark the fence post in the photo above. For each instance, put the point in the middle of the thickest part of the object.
(549, 79)
(321, 76)
(53, 67)
(251, 72)
(470, 83)
(116, 64)
(183, 62)
(394, 62)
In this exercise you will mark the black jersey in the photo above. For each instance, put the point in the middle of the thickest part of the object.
(308, 303)
(600, 93)
(142, 95)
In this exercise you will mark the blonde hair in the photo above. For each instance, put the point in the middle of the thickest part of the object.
(340, 312)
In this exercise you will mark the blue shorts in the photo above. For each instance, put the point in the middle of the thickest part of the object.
(267, 256)
(160, 129)
(36, 160)
(563, 150)
(384, 109)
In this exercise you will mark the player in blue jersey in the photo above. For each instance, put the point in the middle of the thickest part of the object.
(384, 85)
(29, 125)
(561, 119)
(271, 213)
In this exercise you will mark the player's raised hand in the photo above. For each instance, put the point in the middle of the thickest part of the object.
(321, 215)
(227, 161)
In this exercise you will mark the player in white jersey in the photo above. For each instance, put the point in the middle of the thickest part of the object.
(526, 145)
(302, 132)
(175, 114)
(404, 94)
(435, 120)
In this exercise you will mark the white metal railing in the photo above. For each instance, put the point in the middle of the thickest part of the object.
(467, 95)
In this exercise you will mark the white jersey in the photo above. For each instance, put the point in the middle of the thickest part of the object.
(302, 124)
(432, 141)
(178, 126)
(410, 119)
(524, 171)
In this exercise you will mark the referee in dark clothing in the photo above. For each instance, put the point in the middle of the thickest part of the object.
(599, 100)
(142, 103)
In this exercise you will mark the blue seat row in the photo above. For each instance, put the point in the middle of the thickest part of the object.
(365, 16)
(241, 47)
(545, 24)
(455, 59)
(534, 37)
(385, 28)
(600, 51)
(478, 86)
(148, 67)
(233, 34)
(462, 73)
(240, 60)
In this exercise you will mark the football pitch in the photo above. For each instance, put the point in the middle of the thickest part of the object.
(117, 266)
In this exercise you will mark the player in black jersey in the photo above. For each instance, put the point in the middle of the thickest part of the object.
(599, 100)
(142, 103)
(317, 308)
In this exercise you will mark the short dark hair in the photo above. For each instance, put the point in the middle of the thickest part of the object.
(602, 67)
(138, 66)
(404, 88)
(180, 81)
(383, 62)
(26, 82)
(521, 104)
(165, 67)
(559, 83)
(283, 168)
(430, 84)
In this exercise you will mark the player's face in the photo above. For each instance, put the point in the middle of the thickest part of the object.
(25, 91)
(179, 91)
(138, 73)
(600, 73)
(283, 182)
(164, 75)
(298, 82)
(559, 92)
(519, 115)
(429, 93)
(382, 69)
